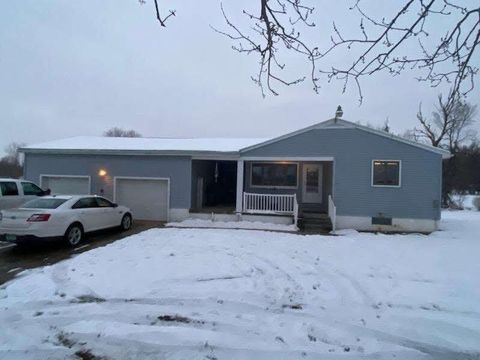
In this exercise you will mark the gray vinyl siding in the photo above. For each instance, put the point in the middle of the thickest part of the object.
(177, 168)
(353, 151)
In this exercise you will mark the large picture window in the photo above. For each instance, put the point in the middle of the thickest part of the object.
(274, 175)
(386, 173)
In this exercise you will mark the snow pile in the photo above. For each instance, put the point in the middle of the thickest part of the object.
(223, 294)
(248, 225)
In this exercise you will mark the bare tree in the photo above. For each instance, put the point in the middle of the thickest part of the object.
(119, 132)
(377, 46)
(450, 125)
(13, 155)
(11, 163)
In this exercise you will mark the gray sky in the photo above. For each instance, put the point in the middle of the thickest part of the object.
(81, 67)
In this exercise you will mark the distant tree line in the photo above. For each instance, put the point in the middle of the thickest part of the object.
(119, 132)
(11, 164)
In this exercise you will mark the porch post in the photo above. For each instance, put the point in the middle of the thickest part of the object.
(239, 202)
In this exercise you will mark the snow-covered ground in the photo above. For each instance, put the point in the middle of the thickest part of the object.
(236, 294)
(466, 201)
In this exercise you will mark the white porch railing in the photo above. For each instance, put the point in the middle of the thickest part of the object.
(270, 204)
(295, 211)
(332, 212)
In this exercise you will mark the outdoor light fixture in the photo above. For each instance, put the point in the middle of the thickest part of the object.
(102, 172)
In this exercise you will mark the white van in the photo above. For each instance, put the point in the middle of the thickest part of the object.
(15, 192)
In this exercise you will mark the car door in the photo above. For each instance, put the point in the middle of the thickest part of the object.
(109, 212)
(10, 195)
(89, 213)
(30, 191)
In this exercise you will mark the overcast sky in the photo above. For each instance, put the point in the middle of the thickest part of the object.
(72, 68)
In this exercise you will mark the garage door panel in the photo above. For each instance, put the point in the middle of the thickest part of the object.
(63, 185)
(148, 199)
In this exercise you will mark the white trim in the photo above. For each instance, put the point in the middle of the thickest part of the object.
(287, 158)
(281, 162)
(240, 181)
(115, 178)
(399, 174)
(217, 157)
(68, 176)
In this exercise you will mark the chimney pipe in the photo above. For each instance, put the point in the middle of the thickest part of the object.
(338, 113)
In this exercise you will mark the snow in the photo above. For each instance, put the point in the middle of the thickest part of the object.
(465, 201)
(235, 294)
(93, 143)
(247, 225)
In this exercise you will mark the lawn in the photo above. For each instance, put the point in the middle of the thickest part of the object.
(239, 294)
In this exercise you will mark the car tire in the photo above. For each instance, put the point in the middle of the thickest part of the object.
(126, 223)
(74, 234)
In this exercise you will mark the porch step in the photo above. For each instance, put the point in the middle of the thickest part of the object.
(314, 215)
(315, 222)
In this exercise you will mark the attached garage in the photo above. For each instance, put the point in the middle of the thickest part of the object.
(148, 198)
(66, 185)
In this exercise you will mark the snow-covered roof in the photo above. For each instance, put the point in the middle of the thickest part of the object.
(100, 143)
(185, 146)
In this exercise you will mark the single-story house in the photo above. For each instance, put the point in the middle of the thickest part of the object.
(351, 175)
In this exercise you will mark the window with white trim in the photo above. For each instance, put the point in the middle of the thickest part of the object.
(386, 173)
(274, 174)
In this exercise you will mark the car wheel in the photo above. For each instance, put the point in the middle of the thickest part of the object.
(126, 222)
(74, 234)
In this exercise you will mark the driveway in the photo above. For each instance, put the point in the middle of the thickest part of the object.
(14, 259)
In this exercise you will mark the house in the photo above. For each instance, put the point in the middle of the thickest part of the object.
(336, 171)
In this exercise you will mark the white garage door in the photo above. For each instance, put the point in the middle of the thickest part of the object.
(66, 185)
(147, 198)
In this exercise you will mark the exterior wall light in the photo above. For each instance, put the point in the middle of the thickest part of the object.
(102, 172)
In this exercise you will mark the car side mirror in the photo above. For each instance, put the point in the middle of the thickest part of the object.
(115, 205)
(47, 192)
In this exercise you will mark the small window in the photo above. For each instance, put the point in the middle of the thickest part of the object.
(103, 202)
(9, 188)
(386, 173)
(274, 175)
(31, 189)
(85, 203)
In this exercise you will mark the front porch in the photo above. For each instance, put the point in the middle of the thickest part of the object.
(281, 191)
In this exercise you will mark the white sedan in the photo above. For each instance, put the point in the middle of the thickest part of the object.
(62, 217)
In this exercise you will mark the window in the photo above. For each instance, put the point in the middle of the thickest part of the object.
(386, 173)
(85, 203)
(103, 202)
(43, 203)
(8, 188)
(31, 189)
(274, 175)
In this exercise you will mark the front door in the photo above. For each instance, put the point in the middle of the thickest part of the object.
(312, 183)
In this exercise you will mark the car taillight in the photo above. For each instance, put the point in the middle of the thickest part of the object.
(39, 217)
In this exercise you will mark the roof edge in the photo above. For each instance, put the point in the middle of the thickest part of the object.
(127, 152)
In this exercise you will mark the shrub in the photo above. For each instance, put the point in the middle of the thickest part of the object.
(476, 202)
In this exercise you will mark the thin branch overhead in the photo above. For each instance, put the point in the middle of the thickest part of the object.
(409, 39)
(447, 58)
(274, 29)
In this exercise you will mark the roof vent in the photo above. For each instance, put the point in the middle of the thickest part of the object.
(338, 113)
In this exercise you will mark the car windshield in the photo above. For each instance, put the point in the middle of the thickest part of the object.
(43, 203)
